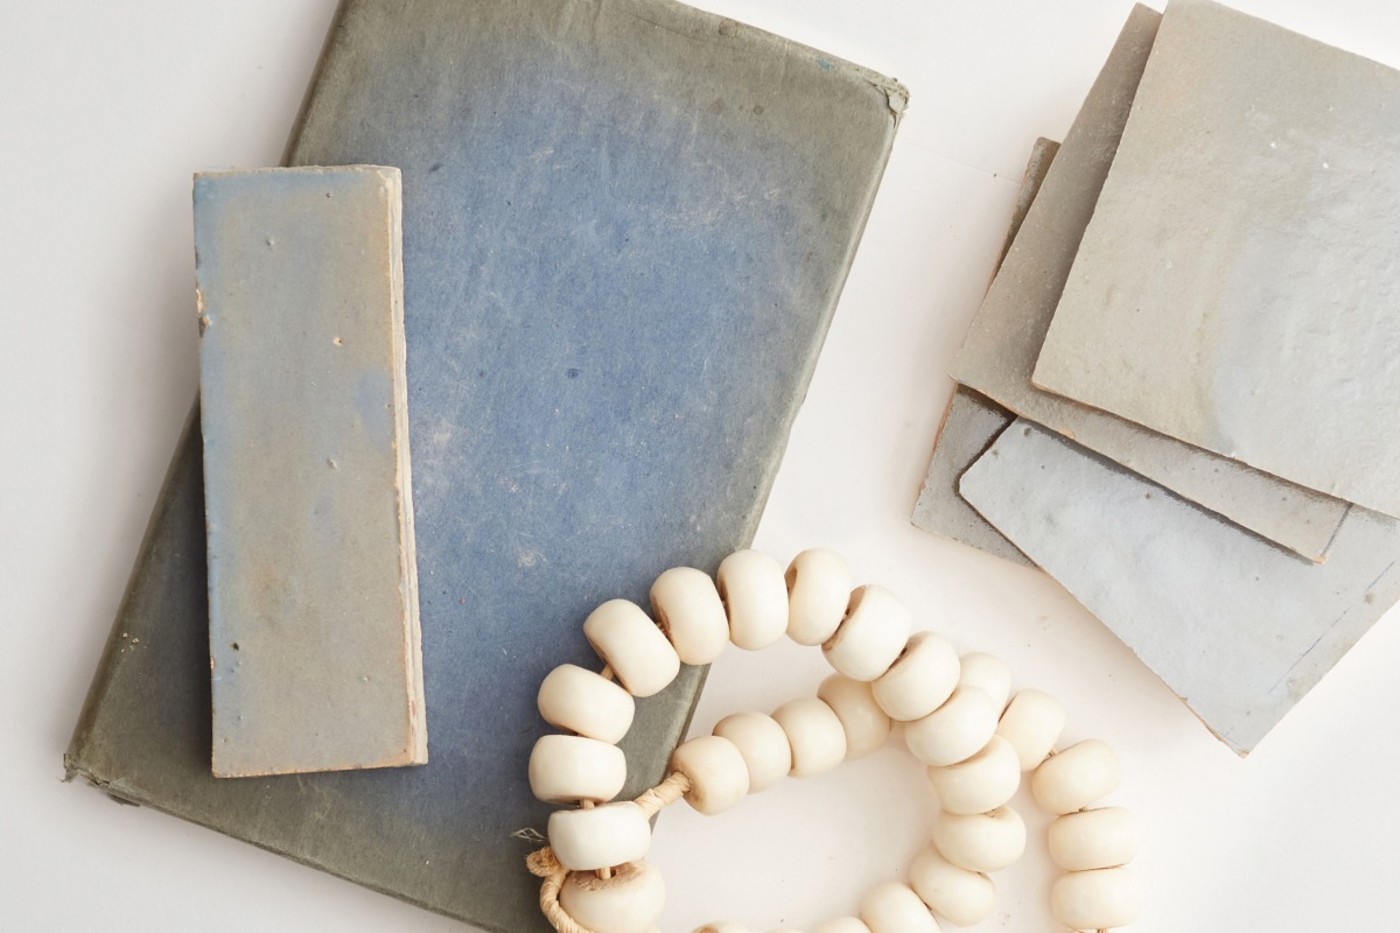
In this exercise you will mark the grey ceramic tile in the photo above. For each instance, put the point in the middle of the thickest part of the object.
(1237, 286)
(313, 591)
(1001, 348)
(1037, 167)
(1241, 630)
(972, 421)
(970, 424)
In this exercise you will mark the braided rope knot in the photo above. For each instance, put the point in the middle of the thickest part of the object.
(544, 864)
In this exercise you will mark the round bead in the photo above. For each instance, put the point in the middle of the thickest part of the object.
(819, 587)
(1032, 724)
(987, 673)
(628, 902)
(1096, 900)
(599, 837)
(955, 731)
(893, 907)
(755, 597)
(984, 842)
(719, 778)
(867, 727)
(565, 768)
(586, 702)
(844, 925)
(630, 643)
(983, 782)
(955, 894)
(688, 609)
(920, 680)
(815, 734)
(872, 635)
(762, 743)
(722, 926)
(1104, 838)
(1076, 777)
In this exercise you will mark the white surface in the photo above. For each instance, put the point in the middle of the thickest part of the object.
(107, 108)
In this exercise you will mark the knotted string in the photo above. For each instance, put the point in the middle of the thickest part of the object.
(543, 864)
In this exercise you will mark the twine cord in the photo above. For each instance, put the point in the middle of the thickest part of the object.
(543, 863)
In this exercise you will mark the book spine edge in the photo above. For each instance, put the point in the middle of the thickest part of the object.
(334, 38)
(75, 757)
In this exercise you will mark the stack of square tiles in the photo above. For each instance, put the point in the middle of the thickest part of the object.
(1172, 398)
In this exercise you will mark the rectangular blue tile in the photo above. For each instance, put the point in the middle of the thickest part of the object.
(313, 596)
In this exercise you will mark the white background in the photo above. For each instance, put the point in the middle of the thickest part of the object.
(105, 110)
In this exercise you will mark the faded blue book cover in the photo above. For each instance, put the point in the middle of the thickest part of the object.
(626, 225)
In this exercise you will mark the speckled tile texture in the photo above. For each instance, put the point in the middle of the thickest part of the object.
(313, 590)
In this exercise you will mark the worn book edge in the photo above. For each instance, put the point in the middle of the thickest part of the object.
(74, 757)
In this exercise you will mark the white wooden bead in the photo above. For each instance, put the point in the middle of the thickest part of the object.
(586, 702)
(893, 907)
(763, 744)
(1103, 838)
(719, 778)
(600, 837)
(722, 926)
(920, 680)
(819, 587)
(629, 642)
(815, 734)
(755, 598)
(955, 731)
(628, 902)
(566, 768)
(844, 925)
(984, 842)
(1096, 900)
(957, 895)
(867, 727)
(987, 673)
(1032, 724)
(983, 782)
(1076, 777)
(871, 636)
(688, 609)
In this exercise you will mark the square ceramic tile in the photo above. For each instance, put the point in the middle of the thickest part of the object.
(1005, 338)
(1239, 629)
(1238, 286)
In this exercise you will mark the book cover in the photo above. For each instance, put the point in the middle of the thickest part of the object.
(625, 228)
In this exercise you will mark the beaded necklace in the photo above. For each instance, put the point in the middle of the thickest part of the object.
(959, 718)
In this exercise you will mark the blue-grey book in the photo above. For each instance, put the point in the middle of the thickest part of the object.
(625, 228)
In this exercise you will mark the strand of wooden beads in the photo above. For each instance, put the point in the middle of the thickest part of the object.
(956, 718)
